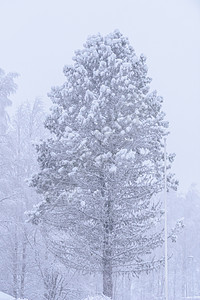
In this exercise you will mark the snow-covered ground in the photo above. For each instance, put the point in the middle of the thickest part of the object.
(4, 296)
(96, 297)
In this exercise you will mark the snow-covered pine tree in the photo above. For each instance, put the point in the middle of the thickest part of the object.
(104, 162)
(7, 87)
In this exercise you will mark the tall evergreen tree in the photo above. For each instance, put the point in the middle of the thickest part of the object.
(7, 87)
(104, 164)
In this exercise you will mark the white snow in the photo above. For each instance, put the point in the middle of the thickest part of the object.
(97, 297)
(113, 169)
(125, 154)
(4, 296)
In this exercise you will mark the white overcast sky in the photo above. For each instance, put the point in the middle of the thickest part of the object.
(38, 37)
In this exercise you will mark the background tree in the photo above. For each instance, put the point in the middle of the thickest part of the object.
(103, 167)
(26, 267)
(7, 87)
(19, 162)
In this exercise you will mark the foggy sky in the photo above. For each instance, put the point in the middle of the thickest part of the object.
(38, 37)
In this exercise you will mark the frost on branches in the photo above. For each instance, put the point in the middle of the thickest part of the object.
(104, 163)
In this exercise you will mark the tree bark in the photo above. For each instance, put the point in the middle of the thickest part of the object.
(107, 252)
(15, 265)
(107, 245)
(107, 279)
(23, 270)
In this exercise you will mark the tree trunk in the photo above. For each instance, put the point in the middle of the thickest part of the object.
(107, 253)
(23, 270)
(107, 279)
(15, 265)
(107, 244)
